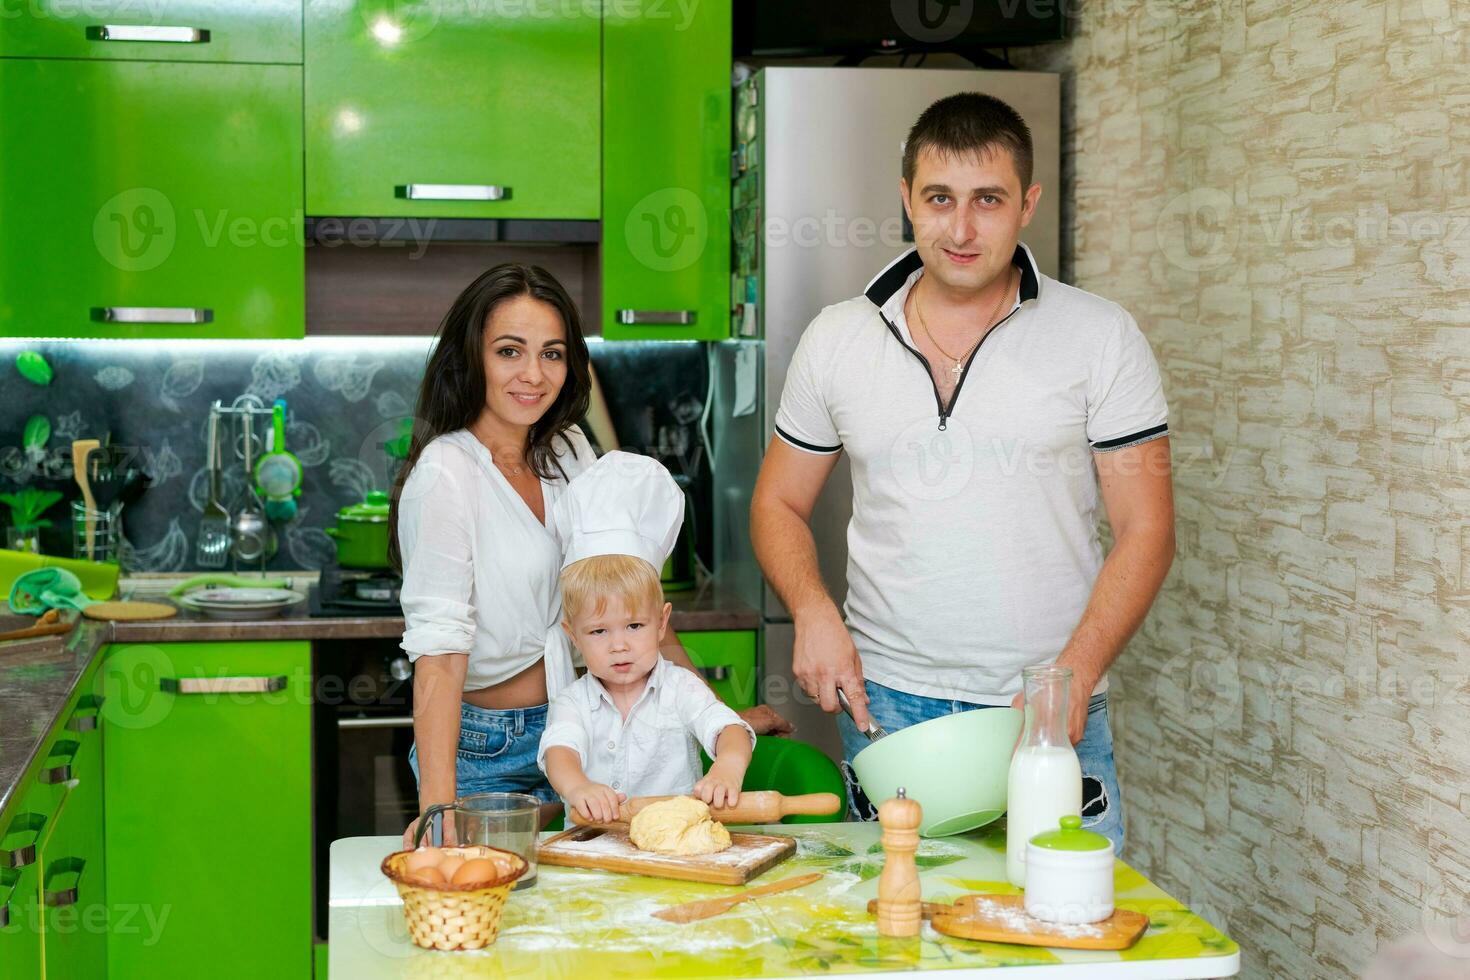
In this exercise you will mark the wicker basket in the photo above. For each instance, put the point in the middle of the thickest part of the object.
(463, 917)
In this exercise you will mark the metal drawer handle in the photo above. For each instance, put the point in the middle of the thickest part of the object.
(152, 314)
(452, 192)
(658, 318)
(221, 685)
(61, 773)
(401, 721)
(23, 856)
(5, 914)
(87, 722)
(138, 32)
(68, 896)
(715, 673)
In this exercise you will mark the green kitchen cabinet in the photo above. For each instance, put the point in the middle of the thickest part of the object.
(208, 781)
(20, 896)
(666, 171)
(265, 31)
(477, 110)
(727, 660)
(73, 866)
(150, 199)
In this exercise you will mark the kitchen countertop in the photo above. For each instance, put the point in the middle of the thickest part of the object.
(38, 677)
(587, 923)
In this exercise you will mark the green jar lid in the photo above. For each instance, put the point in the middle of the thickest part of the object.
(1071, 838)
(374, 508)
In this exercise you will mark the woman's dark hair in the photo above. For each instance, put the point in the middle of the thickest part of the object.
(452, 393)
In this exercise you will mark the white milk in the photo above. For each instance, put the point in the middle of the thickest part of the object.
(1045, 785)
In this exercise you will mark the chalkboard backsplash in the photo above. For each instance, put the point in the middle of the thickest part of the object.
(345, 397)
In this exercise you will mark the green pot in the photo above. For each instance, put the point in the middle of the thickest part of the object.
(362, 533)
(955, 766)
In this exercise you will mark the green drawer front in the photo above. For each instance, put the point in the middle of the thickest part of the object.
(153, 30)
(470, 95)
(666, 171)
(20, 936)
(147, 186)
(217, 778)
(727, 659)
(73, 890)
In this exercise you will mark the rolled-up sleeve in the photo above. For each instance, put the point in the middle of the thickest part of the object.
(436, 534)
(704, 715)
(564, 727)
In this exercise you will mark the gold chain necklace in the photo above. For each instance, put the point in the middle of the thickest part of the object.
(959, 362)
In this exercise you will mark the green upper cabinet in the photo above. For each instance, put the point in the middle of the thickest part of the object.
(666, 171)
(264, 31)
(152, 199)
(474, 110)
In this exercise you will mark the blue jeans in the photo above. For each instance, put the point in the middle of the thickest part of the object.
(1102, 804)
(497, 752)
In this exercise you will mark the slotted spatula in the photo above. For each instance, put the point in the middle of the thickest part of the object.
(213, 547)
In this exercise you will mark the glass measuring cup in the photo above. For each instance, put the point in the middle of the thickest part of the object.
(508, 821)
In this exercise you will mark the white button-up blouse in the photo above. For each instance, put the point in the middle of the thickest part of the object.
(480, 572)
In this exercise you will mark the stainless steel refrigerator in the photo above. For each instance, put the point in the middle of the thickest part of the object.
(817, 213)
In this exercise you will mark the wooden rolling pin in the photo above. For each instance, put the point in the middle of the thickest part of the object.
(757, 806)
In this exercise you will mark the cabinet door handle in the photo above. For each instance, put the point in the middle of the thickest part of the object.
(63, 897)
(221, 685)
(87, 722)
(139, 32)
(657, 318)
(61, 773)
(403, 721)
(21, 857)
(152, 314)
(452, 192)
(715, 673)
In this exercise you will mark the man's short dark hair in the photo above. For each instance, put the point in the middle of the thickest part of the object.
(969, 123)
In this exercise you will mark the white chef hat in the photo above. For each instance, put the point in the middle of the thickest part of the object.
(623, 504)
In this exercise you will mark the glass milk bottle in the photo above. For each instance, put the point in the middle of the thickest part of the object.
(1045, 781)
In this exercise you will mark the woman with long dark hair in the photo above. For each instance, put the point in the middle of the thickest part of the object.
(494, 444)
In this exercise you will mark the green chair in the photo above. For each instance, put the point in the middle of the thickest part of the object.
(793, 768)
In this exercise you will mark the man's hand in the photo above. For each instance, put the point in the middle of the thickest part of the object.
(766, 720)
(824, 660)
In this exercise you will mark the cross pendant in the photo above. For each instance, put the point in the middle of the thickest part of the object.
(957, 370)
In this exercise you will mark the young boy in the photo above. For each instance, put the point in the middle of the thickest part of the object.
(633, 724)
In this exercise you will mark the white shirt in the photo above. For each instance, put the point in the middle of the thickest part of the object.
(479, 571)
(973, 545)
(655, 752)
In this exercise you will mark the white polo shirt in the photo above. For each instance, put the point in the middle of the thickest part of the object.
(655, 751)
(973, 545)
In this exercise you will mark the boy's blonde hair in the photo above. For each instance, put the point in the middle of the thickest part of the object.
(588, 585)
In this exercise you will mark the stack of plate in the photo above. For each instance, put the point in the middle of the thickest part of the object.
(240, 603)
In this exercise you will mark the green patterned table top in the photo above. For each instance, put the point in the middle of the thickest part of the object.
(577, 923)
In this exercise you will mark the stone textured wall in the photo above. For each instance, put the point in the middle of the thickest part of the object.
(1280, 193)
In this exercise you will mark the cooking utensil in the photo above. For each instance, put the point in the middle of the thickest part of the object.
(957, 765)
(213, 546)
(748, 856)
(710, 907)
(874, 731)
(362, 533)
(80, 450)
(50, 623)
(278, 472)
(508, 821)
(130, 611)
(757, 806)
(250, 531)
(1003, 919)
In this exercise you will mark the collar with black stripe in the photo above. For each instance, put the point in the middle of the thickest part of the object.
(888, 282)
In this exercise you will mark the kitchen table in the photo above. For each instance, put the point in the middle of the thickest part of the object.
(576, 924)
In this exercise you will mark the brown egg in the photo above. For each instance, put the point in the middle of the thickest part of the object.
(430, 877)
(476, 869)
(450, 865)
(424, 857)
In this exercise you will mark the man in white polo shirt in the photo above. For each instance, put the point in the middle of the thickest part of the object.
(986, 410)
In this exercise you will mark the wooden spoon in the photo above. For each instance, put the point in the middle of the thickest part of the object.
(710, 907)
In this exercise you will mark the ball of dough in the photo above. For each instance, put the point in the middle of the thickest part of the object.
(681, 825)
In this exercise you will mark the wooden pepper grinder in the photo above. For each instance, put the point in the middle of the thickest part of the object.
(899, 910)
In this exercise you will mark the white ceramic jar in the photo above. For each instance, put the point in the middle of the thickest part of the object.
(1069, 875)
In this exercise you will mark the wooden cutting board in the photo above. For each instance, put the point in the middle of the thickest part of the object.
(1003, 919)
(605, 849)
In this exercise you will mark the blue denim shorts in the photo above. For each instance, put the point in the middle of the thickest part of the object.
(1102, 804)
(497, 752)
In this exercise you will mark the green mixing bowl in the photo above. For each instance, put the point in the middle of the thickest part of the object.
(956, 767)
